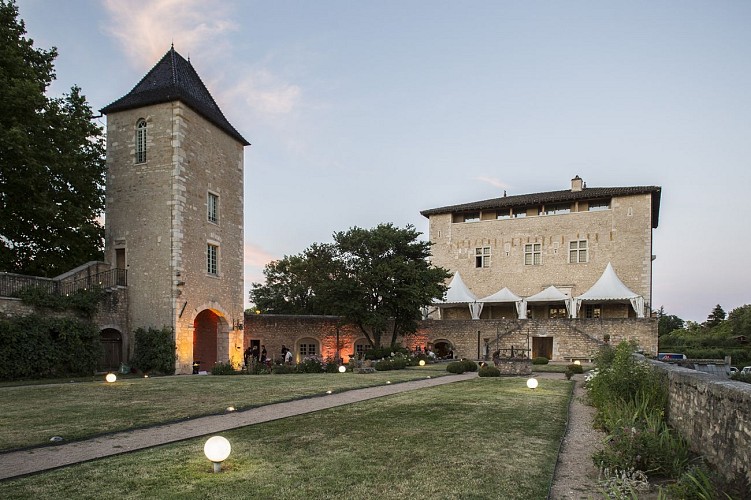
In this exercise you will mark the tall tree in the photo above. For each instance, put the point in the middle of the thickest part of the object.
(716, 317)
(375, 279)
(293, 283)
(667, 323)
(51, 162)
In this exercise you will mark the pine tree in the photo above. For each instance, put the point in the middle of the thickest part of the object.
(51, 162)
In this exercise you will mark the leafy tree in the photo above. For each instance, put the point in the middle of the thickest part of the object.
(740, 320)
(373, 278)
(51, 162)
(716, 317)
(667, 323)
(292, 283)
(383, 274)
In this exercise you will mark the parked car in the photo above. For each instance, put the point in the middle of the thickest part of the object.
(733, 371)
(746, 370)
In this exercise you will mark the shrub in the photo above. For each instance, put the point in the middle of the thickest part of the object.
(310, 364)
(258, 368)
(540, 360)
(37, 346)
(469, 365)
(385, 352)
(455, 367)
(574, 368)
(331, 366)
(489, 371)
(568, 373)
(396, 363)
(224, 369)
(283, 369)
(155, 351)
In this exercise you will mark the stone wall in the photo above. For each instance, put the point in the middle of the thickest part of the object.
(621, 235)
(714, 415)
(474, 339)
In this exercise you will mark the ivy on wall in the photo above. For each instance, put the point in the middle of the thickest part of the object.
(36, 346)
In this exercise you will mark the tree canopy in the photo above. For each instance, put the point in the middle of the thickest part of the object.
(716, 317)
(51, 162)
(376, 279)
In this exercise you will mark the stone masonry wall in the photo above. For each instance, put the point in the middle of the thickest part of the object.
(621, 235)
(571, 338)
(714, 415)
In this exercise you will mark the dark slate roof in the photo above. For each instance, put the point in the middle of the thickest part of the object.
(174, 79)
(522, 200)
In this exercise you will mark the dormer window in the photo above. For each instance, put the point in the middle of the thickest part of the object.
(141, 141)
(472, 217)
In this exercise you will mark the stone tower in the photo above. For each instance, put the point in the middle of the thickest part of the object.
(174, 212)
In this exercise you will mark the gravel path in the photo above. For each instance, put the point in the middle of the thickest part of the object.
(575, 473)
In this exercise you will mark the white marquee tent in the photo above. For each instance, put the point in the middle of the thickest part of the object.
(609, 288)
(458, 293)
(505, 296)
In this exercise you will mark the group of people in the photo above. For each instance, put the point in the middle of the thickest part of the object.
(252, 353)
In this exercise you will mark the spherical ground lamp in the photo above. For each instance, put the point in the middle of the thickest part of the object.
(217, 449)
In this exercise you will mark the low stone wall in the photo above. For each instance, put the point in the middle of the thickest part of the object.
(513, 367)
(567, 339)
(714, 415)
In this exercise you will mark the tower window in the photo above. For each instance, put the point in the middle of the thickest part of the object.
(213, 208)
(212, 259)
(141, 141)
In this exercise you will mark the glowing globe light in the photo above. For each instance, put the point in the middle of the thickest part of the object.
(328, 392)
(342, 369)
(388, 381)
(217, 449)
(532, 383)
(422, 362)
(111, 377)
(577, 362)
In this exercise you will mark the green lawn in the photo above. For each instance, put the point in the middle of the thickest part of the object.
(483, 438)
(32, 414)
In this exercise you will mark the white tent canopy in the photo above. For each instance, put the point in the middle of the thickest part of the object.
(549, 296)
(504, 296)
(458, 293)
(609, 288)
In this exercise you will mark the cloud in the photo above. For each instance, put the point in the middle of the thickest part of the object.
(145, 30)
(493, 182)
(256, 256)
(264, 93)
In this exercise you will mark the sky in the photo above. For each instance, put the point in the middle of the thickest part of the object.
(363, 112)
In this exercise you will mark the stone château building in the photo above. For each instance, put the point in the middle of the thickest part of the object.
(174, 212)
(564, 239)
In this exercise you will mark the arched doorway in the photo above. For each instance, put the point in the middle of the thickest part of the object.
(443, 349)
(205, 334)
(112, 349)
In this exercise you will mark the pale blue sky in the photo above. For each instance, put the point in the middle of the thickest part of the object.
(367, 112)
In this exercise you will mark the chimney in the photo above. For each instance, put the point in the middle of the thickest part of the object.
(577, 184)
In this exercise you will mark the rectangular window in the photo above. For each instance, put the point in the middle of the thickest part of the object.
(472, 217)
(598, 205)
(212, 260)
(213, 208)
(307, 350)
(533, 254)
(577, 252)
(503, 214)
(592, 311)
(482, 257)
(560, 208)
(360, 349)
(557, 312)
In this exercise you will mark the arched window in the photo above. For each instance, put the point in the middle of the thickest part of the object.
(141, 141)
